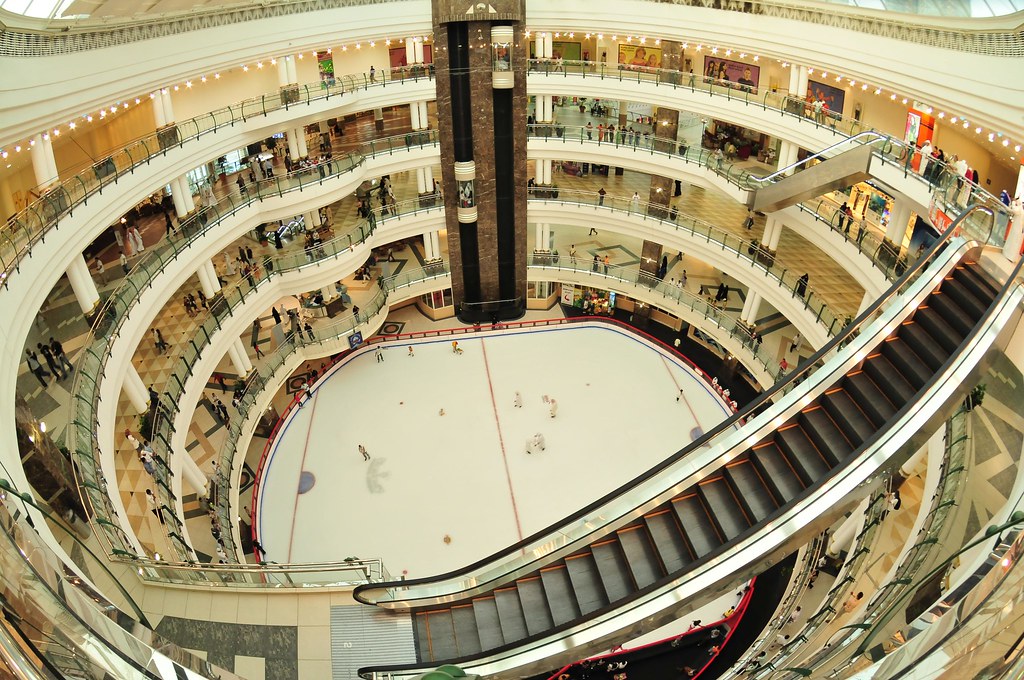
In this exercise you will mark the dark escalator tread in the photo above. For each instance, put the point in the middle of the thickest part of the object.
(751, 489)
(892, 383)
(847, 414)
(488, 626)
(940, 331)
(698, 528)
(559, 594)
(466, 635)
(640, 555)
(825, 434)
(442, 634)
(510, 614)
(612, 567)
(866, 394)
(802, 453)
(923, 344)
(964, 298)
(535, 604)
(780, 476)
(723, 507)
(668, 539)
(976, 280)
(586, 582)
(422, 637)
(913, 367)
(951, 312)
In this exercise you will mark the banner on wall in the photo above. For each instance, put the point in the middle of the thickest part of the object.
(833, 97)
(939, 219)
(734, 73)
(570, 51)
(920, 127)
(397, 56)
(639, 56)
(325, 64)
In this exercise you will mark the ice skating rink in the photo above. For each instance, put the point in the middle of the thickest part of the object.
(466, 474)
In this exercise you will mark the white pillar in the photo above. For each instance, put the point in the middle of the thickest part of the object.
(421, 181)
(915, 462)
(136, 390)
(428, 178)
(842, 538)
(40, 165)
(549, 45)
(168, 105)
(300, 141)
(414, 116)
(410, 52)
(772, 233)
(538, 236)
(802, 73)
(159, 115)
(211, 273)
(435, 240)
(51, 160)
(206, 284)
(751, 307)
(82, 284)
(244, 355)
(865, 303)
(282, 71)
(237, 359)
(424, 118)
(192, 473)
(177, 196)
(418, 48)
(899, 218)
(428, 247)
(293, 143)
(794, 82)
(186, 193)
(293, 69)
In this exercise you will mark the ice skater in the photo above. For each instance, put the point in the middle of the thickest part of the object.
(535, 442)
(552, 407)
(379, 354)
(680, 395)
(411, 353)
(538, 439)
(362, 450)
(305, 393)
(455, 347)
(517, 401)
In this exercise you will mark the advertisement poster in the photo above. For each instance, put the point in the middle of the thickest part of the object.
(325, 63)
(568, 294)
(739, 75)
(569, 51)
(639, 56)
(940, 220)
(832, 96)
(397, 56)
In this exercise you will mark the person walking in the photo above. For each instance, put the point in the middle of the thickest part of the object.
(552, 407)
(795, 344)
(50, 362)
(309, 332)
(58, 353)
(154, 507)
(517, 400)
(362, 450)
(123, 259)
(355, 313)
(276, 314)
(259, 352)
(411, 353)
(305, 393)
(748, 223)
(37, 369)
(158, 340)
(801, 284)
(597, 261)
(101, 271)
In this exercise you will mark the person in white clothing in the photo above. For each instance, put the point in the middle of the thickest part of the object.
(553, 407)
(539, 441)
(517, 401)
(635, 202)
(926, 157)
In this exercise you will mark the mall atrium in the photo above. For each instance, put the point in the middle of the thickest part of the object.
(286, 286)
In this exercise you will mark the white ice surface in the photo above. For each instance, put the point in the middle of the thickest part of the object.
(466, 474)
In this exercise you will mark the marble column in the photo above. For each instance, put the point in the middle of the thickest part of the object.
(136, 390)
(83, 286)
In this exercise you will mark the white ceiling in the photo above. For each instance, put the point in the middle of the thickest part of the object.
(97, 9)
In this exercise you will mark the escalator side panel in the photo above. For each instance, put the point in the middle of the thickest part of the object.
(750, 489)
(668, 539)
(560, 598)
(586, 582)
(640, 555)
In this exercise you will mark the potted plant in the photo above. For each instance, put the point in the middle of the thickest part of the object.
(975, 398)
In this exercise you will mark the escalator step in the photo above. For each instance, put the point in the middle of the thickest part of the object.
(559, 595)
(802, 453)
(940, 331)
(510, 614)
(488, 625)
(964, 298)
(911, 366)
(780, 476)
(825, 434)
(466, 634)
(697, 526)
(751, 489)
(958, 319)
(723, 507)
(976, 280)
(847, 414)
(892, 383)
(640, 555)
(668, 539)
(923, 344)
(535, 605)
(422, 637)
(866, 394)
(586, 582)
(441, 629)
(613, 570)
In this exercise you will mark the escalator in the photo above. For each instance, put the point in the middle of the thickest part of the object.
(725, 504)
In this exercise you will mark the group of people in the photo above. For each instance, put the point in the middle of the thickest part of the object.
(56, 361)
(192, 304)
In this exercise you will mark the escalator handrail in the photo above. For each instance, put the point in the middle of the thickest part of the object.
(738, 418)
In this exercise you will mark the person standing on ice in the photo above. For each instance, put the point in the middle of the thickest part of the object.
(553, 407)
(455, 347)
(362, 450)
(517, 401)
(304, 393)
(538, 440)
